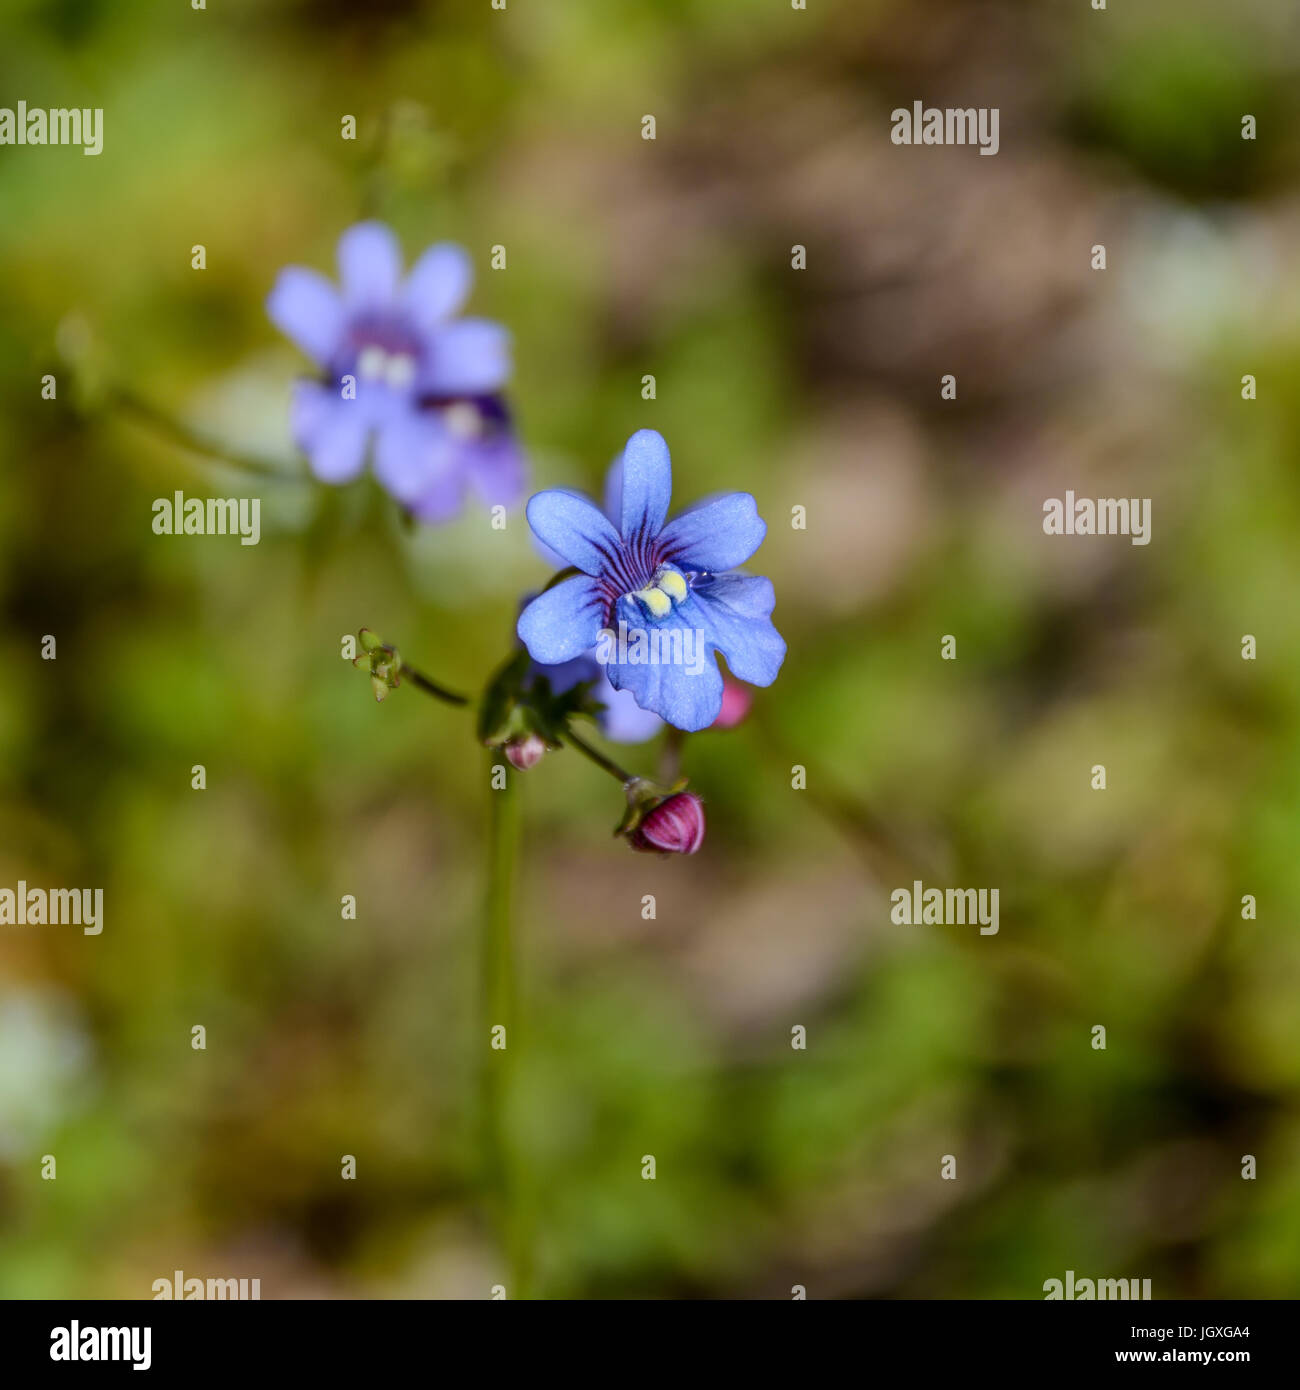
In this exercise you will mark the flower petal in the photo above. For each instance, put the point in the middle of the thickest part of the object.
(622, 719)
(612, 499)
(332, 432)
(575, 528)
(370, 265)
(737, 699)
(647, 484)
(562, 622)
(716, 535)
(414, 455)
(674, 826)
(470, 357)
(567, 674)
(497, 470)
(679, 682)
(548, 556)
(306, 308)
(735, 613)
(440, 499)
(438, 284)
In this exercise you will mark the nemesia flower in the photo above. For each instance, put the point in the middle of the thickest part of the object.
(622, 719)
(400, 373)
(651, 588)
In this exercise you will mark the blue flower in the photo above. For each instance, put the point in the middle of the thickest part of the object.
(399, 370)
(656, 599)
(621, 718)
(457, 446)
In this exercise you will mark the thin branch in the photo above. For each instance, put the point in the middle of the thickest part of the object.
(144, 412)
(601, 761)
(431, 687)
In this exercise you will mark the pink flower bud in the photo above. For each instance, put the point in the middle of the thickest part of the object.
(526, 751)
(736, 700)
(675, 826)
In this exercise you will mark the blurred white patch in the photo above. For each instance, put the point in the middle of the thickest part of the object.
(246, 411)
(468, 556)
(45, 1061)
(1192, 279)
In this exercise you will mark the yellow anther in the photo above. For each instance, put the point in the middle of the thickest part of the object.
(656, 601)
(673, 585)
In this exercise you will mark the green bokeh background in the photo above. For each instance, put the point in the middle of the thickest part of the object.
(816, 388)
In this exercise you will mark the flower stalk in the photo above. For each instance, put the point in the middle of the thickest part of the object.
(662, 818)
(387, 667)
(500, 1017)
(431, 687)
(594, 755)
(176, 432)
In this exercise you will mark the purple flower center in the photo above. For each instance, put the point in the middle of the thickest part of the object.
(381, 348)
(639, 571)
(627, 567)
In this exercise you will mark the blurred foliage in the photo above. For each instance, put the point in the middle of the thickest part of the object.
(819, 388)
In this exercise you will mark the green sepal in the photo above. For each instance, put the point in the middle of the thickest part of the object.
(515, 704)
(498, 710)
(383, 662)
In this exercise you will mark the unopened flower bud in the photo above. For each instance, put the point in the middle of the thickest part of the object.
(525, 751)
(674, 826)
(736, 700)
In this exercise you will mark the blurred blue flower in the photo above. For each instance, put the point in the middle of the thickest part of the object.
(657, 601)
(399, 369)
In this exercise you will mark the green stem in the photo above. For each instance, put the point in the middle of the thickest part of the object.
(670, 759)
(431, 687)
(168, 426)
(601, 761)
(887, 853)
(500, 1010)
